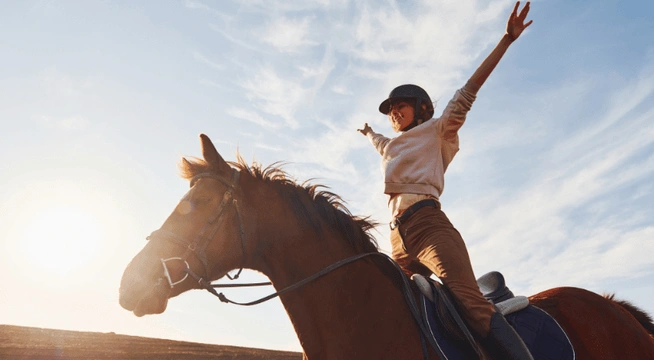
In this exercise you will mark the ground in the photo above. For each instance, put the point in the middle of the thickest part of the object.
(20, 343)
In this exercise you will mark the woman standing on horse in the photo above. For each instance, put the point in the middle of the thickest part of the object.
(423, 239)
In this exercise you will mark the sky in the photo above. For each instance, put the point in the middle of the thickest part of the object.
(553, 185)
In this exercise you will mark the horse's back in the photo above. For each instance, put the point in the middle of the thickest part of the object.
(597, 327)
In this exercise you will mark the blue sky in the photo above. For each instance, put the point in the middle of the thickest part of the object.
(553, 185)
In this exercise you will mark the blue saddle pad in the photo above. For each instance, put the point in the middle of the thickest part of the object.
(543, 336)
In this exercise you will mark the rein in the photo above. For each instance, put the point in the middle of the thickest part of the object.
(199, 244)
(289, 288)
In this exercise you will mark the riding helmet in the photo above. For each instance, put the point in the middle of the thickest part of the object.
(406, 91)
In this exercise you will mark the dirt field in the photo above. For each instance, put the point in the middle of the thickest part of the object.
(18, 343)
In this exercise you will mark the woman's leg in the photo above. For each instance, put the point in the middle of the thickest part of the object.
(429, 237)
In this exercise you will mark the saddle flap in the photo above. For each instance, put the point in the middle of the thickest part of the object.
(441, 313)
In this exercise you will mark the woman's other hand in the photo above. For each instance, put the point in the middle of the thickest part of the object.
(366, 129)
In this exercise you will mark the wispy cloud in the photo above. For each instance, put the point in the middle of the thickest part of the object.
(575, 215)
(203, 59)
(274, 94)
(288, 35)
(197, 5)
(277, 7)
(342, 90)
(618, 116)
(270, 147)
(330, 148)
(253, 117)
(235, 40)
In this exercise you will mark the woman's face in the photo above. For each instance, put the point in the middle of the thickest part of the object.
(401, 115)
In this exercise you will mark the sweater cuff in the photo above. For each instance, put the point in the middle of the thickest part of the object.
(371, 135)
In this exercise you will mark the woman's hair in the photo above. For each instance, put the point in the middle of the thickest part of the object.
(427, 112)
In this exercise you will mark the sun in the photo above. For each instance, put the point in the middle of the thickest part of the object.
(61, 240)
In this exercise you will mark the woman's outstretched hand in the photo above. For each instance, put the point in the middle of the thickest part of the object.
(516, 24)
(366, 129)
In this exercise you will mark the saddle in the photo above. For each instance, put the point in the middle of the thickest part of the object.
(540, 332)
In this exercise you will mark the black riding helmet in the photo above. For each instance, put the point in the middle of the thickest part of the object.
(407, 91)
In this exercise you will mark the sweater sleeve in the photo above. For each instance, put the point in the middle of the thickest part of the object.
(379, 141)
(456, 111)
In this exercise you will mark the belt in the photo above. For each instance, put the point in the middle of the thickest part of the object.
(412, 210)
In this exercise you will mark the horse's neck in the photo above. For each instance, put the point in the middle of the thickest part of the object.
(353, 312)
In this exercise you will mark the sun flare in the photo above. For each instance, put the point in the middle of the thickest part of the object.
(61, 240)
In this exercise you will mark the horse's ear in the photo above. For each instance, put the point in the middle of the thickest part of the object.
(210, 155)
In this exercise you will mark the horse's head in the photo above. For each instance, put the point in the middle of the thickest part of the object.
(200, 241)
(234, 217)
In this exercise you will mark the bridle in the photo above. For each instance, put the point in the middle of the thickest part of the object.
(199, 244)
(197, 247)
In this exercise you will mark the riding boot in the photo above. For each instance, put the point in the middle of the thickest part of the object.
(505, 341)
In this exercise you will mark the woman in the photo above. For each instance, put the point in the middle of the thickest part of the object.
(414, 163)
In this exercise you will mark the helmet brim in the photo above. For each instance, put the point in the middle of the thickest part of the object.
(385, 106)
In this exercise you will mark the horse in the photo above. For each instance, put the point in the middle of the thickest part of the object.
(344, 299)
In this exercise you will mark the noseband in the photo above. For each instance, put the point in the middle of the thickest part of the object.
(197, 247)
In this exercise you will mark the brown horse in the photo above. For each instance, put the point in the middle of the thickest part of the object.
(236, 216)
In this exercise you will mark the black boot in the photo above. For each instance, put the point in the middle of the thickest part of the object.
(506, 341)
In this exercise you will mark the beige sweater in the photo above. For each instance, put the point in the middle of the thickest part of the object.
(415, 161)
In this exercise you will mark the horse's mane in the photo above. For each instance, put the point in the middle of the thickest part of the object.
(322, 205)
(643, 318)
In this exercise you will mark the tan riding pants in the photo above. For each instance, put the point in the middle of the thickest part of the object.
(428, 243)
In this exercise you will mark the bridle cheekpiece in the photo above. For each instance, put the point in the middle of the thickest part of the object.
(197, 247)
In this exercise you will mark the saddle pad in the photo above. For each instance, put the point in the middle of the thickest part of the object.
(543, 336)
